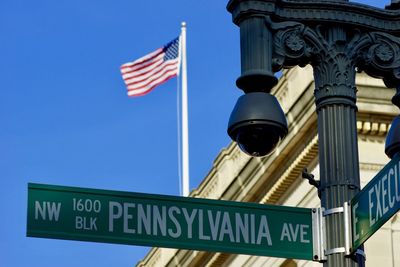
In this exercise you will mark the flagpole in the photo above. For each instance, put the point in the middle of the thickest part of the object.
(185, 128)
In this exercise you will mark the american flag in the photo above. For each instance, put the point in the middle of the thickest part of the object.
(144, 74)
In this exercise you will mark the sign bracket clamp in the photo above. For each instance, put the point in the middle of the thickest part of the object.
(319, 234)
(320, 251)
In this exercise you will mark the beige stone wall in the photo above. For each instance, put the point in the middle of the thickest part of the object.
(277, 179)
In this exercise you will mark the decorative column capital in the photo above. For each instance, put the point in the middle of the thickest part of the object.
(335, 53)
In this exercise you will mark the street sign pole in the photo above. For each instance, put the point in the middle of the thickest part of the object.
(167, 221)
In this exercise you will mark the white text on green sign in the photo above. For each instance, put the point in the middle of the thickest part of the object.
(167, 221)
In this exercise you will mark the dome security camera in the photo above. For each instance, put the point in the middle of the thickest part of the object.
(257, 123)
(392, 145)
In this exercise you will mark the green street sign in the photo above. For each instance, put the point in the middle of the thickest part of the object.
(167, 221)
(376, 203)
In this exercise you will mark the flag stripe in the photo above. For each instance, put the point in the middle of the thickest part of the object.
(143, 70)
(144, 74)
(157, 79)
(144, 58)
(154, 71)
(153, 78)
(149, 88)
(143, 65)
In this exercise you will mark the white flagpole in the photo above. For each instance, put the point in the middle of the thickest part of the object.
(185, 128)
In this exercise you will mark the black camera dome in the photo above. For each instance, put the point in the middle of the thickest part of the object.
(257, 123)
(392, 145)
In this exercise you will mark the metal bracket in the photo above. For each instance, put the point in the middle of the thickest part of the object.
(333, 211)
(319, 235)
(334, 251)
(346, 210)
(311, 180)
(348, 237)
(320, 250)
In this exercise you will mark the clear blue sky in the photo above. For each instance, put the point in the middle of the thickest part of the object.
(65, 118)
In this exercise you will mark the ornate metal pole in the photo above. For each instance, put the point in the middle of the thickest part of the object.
(335, 96)
(337, 38)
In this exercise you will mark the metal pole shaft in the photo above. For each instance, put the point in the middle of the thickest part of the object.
(339, 172)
